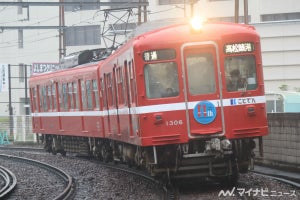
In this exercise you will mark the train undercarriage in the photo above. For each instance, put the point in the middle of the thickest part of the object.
(215, 159)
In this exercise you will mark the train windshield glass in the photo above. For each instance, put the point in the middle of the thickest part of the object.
(240, 72)
(201, 73)
(161, 80)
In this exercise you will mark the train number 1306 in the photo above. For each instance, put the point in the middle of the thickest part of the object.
(174, 122)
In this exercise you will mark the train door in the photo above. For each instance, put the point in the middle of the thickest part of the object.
(202, 89)
(128, 96)
(107, 101)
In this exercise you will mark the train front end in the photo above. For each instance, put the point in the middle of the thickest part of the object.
(201, 98)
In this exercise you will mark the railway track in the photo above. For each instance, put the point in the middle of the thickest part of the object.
(69, 184)
(288, 180)
(10, 182)
(172, 192)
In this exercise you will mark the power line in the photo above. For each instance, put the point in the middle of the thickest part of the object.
(86, 3)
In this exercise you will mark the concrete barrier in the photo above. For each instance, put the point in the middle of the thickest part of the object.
(282, 145)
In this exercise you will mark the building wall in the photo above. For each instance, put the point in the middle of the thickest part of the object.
(280, 53)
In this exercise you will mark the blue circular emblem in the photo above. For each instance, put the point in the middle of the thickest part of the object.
(205, 112)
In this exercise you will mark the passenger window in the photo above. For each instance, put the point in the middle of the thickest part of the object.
(161, 80)
(44, 93)
(83, 95)
(49, 96)
(96, 94)
(240, 73)
(89, 95)
(201, 74)
(70, 93)
(65, 96)
(120, 86)
(76, 97)
(110, 96)
(54, 96)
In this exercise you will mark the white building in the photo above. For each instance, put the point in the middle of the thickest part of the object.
(277, 21)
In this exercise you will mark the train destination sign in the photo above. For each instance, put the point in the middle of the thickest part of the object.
(44, 67)
(239, 48)
(162, 54)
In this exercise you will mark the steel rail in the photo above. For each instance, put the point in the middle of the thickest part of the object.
(290, 181)
(10, 182)
(70, 183)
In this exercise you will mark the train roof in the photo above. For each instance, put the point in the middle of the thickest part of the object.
(66, 74)
(163, 33)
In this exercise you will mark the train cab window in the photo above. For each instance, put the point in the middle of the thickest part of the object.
(240, 73)
(96, 94)
(161, 80)
(201, 73)
(89, 95)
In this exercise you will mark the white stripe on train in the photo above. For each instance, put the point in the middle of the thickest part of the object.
(155, 108)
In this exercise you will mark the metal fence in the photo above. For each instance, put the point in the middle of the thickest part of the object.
(16, 129)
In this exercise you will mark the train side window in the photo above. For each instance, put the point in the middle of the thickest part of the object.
(89, 95)
(49, 96)
(54, 96)
(65, 96)
(201, 73)
(44, 96)
(70, 93)
(132, 82)
(161, 80)
(61, 97)
(76, 96)
(96, 94)
(41, 98)
(83, 95)
(240, 73)
(120, 86)
(109, 86)
(103, 94)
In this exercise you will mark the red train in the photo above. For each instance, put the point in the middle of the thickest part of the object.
(178, 101)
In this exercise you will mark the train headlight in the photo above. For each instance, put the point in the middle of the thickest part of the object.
(197, 23)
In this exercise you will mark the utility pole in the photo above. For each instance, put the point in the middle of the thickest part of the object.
(246, 20)
(236, 11)
(10, 108)
(62, 42)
